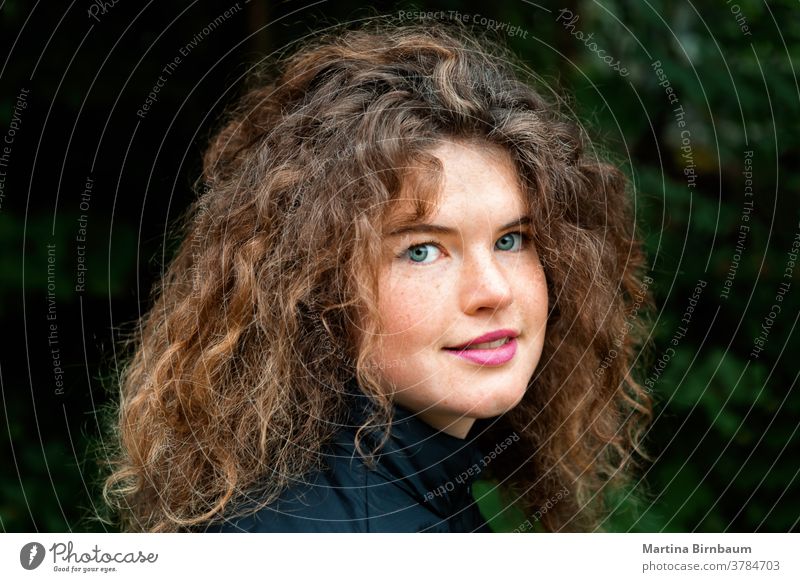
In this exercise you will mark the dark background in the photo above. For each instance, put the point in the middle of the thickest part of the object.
(725, 436)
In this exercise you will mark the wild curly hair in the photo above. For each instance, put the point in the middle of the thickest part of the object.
(236, 375)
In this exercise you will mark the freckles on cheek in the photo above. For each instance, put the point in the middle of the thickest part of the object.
(403, 312)
(407, 305)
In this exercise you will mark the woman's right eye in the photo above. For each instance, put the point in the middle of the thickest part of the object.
(420, 253)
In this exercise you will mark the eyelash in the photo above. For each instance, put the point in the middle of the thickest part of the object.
(526, 239)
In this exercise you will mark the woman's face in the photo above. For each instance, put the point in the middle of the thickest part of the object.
(472, 273)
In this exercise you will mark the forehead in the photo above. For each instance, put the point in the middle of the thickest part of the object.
(464, 178)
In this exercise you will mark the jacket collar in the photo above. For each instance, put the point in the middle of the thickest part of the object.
(433, 467)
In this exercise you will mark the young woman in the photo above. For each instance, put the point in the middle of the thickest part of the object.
(405, 273)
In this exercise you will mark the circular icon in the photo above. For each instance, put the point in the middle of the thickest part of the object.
(31, 555)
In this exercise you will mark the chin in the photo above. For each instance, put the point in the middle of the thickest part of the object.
(496, 403)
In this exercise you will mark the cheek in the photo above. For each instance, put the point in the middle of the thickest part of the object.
(532, 302)
(401, 315)
(538, 298)
(409, 307)
(531, 284)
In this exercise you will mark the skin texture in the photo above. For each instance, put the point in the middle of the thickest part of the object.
(478, 279)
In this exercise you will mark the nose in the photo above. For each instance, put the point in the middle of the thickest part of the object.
(484, 284)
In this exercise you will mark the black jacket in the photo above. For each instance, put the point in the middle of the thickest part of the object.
(421, 483)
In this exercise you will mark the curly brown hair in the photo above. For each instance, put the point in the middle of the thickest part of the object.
(238, 371)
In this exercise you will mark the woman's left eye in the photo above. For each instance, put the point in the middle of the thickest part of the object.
(511, 242)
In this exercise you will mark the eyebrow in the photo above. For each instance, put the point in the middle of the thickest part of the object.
(438, 228)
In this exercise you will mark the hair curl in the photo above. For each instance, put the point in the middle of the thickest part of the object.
(268, 307)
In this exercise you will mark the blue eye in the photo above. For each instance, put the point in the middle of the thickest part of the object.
(427, 252)
(418, 253)
(508, 242)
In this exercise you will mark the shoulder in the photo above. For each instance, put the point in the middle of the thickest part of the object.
(329, 500)
(346, 497)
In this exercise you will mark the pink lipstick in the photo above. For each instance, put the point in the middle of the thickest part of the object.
(494, 355)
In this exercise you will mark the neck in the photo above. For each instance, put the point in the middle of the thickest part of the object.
(454, 426)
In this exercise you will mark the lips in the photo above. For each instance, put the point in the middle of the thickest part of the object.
(493, 339)
(496, 356)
